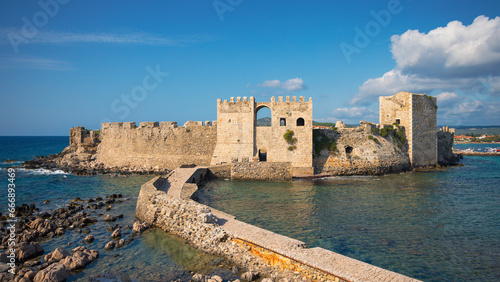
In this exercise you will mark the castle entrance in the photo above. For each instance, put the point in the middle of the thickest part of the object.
(262, 155)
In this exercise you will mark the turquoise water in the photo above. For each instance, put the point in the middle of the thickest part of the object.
(435, 226)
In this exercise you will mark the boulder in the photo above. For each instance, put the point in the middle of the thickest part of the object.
(109, 217)
(27, 251)
(89, 239)
(110, 245)
(55, 272)
(117, 233)
(42, 225)
(80, 259)
(140, 227)
(57, 255)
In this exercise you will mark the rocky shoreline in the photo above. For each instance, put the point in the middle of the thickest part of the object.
(34, 228)
(81, 164)
(22, 235)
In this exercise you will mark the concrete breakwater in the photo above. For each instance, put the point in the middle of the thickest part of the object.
(166, 202)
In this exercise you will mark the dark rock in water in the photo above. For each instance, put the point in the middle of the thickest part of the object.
(109, 217)
(117, 233)
(110, 245)
(77, 199)
(89, 239)
(27, 251)
(9, 161)
(46, 201)
(54, 272)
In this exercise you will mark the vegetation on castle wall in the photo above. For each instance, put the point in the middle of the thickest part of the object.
(290, 139)
(322, 141)
(383, 132)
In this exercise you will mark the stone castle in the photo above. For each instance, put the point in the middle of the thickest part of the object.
(406, 137)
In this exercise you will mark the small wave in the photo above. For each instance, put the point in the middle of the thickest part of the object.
(11, 162)
(43, 171)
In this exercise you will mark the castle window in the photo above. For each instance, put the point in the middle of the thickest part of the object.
(282, 121)
(398, 121)
(300, 122)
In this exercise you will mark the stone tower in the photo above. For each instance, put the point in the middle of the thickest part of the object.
(239, 139)
(417, 113)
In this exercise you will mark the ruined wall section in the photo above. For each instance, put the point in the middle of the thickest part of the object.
(360, 152)
(398, 108)
(155, 146)
(235, 131)
(424, 130)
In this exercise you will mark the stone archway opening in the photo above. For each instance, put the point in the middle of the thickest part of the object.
(263, 116)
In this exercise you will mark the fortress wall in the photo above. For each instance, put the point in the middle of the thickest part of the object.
(424, 138)
(261, 171)
(156, 146)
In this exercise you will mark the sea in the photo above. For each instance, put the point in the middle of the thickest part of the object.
(441, 225)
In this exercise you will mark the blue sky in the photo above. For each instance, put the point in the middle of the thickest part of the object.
(66, 63)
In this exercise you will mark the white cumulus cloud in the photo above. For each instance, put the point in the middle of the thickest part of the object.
(292, 85)
(453, 58)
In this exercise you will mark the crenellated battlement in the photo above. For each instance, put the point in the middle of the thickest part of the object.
(281, 99)
(155, 124)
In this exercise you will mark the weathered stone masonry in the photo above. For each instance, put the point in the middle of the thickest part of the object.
(154, 145)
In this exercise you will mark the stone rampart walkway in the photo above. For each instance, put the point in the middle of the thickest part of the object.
(175, 182)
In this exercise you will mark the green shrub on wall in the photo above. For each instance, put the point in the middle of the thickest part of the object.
(321, 141)
(290, 139)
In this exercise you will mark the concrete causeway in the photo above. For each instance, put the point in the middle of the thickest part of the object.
(339, 266)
